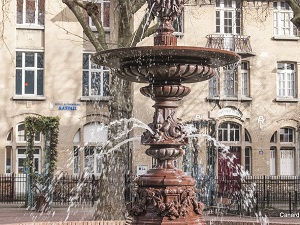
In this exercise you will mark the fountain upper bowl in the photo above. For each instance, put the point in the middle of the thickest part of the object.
(165, 64)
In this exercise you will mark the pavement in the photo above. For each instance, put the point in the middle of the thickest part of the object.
(17, 214)
(14, 214)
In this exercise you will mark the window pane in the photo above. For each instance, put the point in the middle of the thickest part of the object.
(8, 160)
(85, 83)
(40, 60)
(105, 83)
(30, 11)
(19, 11)
(18, 82)
(18, 59)
(85, 61)
(41, 12)
(29, 82)
(76, 160)
(95, 83)
(40, 82)
(21, 134)
(106, 14)
(29, 59)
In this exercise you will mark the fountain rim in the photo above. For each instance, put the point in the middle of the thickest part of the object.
(113, 57)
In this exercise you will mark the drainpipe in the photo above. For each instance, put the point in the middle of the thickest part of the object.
(298, 151)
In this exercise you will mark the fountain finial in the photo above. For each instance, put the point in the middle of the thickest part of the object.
(166, 11)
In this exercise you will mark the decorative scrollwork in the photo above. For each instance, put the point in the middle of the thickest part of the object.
(154, 198)
(164, 130)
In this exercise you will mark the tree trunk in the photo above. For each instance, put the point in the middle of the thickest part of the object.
(111, 205)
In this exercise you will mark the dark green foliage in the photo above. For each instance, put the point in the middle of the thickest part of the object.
(49, 127)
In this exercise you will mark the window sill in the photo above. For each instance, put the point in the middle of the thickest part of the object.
(29, 98)
(281, 99)
(106, 29)
(178, 34)
(95, 98)
(30, 27)
(285, 38)
(244, 98)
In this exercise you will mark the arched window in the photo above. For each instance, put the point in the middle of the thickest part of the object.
(285, 154)
(229, 132)
(88, 145)
(248, 152)
(21, 136)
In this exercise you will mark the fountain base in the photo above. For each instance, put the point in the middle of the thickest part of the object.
(166, 196)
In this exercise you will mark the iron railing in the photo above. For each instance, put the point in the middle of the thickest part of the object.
(237, 43)
(65, 189)
(255, 192)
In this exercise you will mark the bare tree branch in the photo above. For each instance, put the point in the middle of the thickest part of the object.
(143, 30)
(76, 8)
(125, 30)
(295, 5)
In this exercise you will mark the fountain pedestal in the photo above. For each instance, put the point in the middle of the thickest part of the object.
(165, 194)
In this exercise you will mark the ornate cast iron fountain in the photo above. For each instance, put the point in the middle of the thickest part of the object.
(165, 194)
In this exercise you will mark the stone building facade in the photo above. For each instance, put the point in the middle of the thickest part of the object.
(253, 107)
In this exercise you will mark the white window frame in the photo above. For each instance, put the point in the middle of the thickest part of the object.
(8, 160)
(282, 15)
(230, 79)
(93, 163)
(287, 161)
(20, 134)
(94, 68)
(222, 9)
(248, 157)
(286, 80)
(245, 81)
(100, 4)
(35, 69)
(285, 134)
(213, 86)
(24, 156)
(35, 24)
(273, 161)
(178, 25)
(226, 132)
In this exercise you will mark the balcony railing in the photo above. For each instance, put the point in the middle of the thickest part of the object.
(236, 43)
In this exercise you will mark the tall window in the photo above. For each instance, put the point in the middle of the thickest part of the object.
(229, 132)
(95, 81)
(104, 7)
(88, 145)
(31, 12)
(286, 80)
(21, 137)
(230, 78)
(213, 86)
(178, 25)
(282, 19)
(273, 161)
(245, 78)
(287, 134)
(228, 16)
(285, 154)
(248, 159)
(92, 159)
(30, 73)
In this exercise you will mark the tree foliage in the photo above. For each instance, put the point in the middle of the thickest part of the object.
(48, 126)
